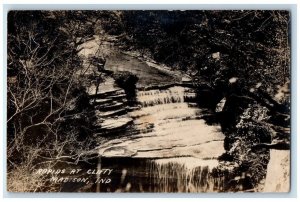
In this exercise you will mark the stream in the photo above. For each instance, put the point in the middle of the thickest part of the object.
(177, 148)
(162, 144)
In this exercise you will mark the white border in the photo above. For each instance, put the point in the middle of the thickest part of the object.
(119, 4)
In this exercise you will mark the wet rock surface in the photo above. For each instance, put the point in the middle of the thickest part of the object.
(171, 147)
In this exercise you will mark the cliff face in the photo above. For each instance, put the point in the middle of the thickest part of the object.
(278, 172)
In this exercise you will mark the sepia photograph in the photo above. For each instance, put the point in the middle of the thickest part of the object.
(155, 101)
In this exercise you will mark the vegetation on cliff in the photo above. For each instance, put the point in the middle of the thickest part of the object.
(242, 57)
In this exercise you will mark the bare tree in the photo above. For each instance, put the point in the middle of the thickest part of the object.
(44, 94)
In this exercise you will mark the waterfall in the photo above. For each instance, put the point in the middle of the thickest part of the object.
(174, 94)
(185, 175)
(168, 133)
(160, 145)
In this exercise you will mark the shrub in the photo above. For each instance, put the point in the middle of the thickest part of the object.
(126, 80)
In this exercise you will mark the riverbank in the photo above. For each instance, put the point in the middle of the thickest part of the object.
(156, 78)
(166, 126)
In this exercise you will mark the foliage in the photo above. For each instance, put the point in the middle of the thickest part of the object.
(251, 163)
(45, 97)
(126, 79)
(250, 43)
(213, 47)
(46, 100)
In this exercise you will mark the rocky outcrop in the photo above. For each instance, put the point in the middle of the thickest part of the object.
(111, 108)
(278, 172)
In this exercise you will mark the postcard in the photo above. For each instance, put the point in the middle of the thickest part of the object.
(159, 101)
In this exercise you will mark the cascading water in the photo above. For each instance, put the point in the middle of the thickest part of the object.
(186, 175)
(162, 144)
(179, 147)
(156, 97)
